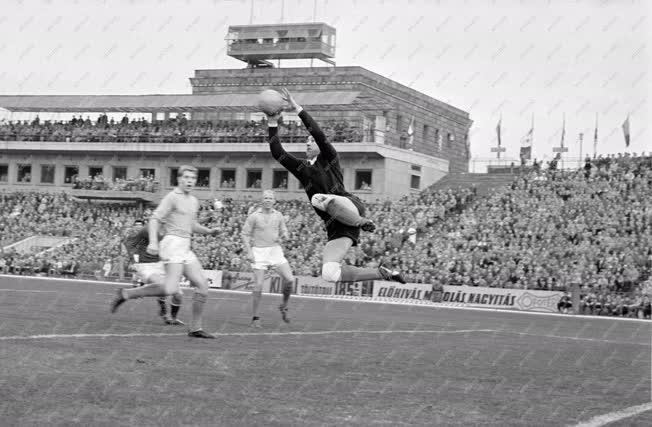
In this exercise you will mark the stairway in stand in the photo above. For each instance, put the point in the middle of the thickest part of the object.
(483, 182)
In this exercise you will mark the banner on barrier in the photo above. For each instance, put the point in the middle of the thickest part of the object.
(303, 285)
(393, 290)
(313, 286)
(518, 299)
(238, 280)
(214, 278)
(354, 289)
(306, 285)
(471, 296)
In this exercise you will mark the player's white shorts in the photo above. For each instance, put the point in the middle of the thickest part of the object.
(176, 250)
(145, 271)
(271, 256)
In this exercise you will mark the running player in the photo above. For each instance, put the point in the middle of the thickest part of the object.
(342, 212)
(178, 213)
(266, 227)
(150, 269)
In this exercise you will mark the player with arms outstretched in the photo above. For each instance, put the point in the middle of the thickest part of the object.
(178, 213)
(342, 212)
(150, 269)
(261, 236)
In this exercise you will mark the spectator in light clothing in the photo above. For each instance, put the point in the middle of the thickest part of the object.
(107, 268)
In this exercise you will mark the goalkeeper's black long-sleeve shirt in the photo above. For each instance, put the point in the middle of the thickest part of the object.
(324, 176)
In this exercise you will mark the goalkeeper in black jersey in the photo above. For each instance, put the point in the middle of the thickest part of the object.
(342, 212)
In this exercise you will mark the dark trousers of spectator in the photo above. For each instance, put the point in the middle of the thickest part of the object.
(564, 307)
(620, 311)
(584, 308)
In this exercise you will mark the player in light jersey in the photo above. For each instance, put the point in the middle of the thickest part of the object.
(265, 226)
(178, 212)
(150, 269)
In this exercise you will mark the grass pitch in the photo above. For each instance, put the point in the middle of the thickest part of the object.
(67, 361)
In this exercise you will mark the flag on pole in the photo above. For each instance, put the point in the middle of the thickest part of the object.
(626, 131)
(595, 137)
(526, 143)
(595, 134)
(410, 131)
(498, 131)
(563, 131)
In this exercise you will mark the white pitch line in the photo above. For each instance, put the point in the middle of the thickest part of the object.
(573, 338)
(28, 290)
(238, 334)
(300, 333)
(616, 416)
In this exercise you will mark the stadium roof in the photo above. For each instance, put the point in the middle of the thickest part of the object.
(161, 103)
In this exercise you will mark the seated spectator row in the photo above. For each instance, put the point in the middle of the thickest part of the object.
(100, 182)
(170, 131)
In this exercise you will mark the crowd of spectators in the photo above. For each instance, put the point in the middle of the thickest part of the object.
(548, 230)
(174, 130)
(96, 229)
(100, 182)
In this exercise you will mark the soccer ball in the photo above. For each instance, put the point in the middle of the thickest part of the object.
(270, 102)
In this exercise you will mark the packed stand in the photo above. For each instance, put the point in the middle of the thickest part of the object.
(549, 230)
(95, 227)
(174, 130)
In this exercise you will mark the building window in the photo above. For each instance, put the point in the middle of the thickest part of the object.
(119, 172)
(4, 173)
(24, 173)
(227, 178)
(415, 182)
(438, 139)
(173, 176)
(426, 132)
(280, 180)
(47, 174)
(415, 168)
(363, 180)
(148, 173)
(398, 123)
(254, 178)
(203, 178)
(69, 174)
(94, 171)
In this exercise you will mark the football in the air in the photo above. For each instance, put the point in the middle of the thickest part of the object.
(270, 102)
